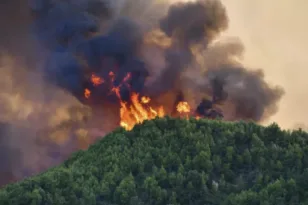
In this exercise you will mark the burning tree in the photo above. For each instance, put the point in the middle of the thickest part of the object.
(174, 58)
(128, 61)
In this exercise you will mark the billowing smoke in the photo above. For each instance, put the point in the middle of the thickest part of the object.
(169, 52)
(36, 118)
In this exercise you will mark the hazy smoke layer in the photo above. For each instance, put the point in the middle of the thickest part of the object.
(275, 38)
(169, 50)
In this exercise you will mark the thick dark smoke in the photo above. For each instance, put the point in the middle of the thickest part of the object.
(188, 24)
(195, 22)
(248, 96)
(169, 52)
(6, 168)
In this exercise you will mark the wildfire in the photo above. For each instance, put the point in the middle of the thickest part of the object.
(183, 107)
(87, 93)
(145, 100)
(139, 108)
(137, 112)
(96, 80)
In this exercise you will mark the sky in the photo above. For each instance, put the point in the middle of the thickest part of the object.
(275, 37)
(274, 34)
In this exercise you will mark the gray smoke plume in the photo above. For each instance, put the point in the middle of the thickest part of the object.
(248, 95)
(170, 51)
(195, 22)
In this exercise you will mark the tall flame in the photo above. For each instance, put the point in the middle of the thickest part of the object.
(139, 108)
(138, 112)
(183, 108)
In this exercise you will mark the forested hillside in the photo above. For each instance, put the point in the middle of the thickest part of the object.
(179, 162)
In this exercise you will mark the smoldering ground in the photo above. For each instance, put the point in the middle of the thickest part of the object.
(169, 48)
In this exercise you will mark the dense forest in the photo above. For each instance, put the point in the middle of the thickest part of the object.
(179, 162)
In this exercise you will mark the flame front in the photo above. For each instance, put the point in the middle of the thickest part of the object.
(139, 108)
(138, 112)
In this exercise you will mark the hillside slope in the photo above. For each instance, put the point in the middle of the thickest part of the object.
(173, 161)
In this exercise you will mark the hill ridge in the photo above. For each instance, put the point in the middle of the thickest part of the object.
(176, 161)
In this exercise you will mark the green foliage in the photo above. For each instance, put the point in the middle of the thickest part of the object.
(178, 162)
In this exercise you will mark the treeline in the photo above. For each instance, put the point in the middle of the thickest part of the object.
(178, 162)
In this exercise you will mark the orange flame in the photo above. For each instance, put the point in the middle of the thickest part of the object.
(136, 113)
(96, 80)
(145, 100)
(139, 109)
(183, 107)
(87, 93)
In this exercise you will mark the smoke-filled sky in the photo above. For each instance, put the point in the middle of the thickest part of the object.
(273, 37)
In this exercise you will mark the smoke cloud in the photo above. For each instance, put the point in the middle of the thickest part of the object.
(275, 38)
(168, 51)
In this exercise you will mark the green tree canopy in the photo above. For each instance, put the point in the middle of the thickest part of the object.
(178, 162)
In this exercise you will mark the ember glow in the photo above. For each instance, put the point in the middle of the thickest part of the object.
(96, 80)
(87, 93)
(183, 107)
(137, 112)
(138, 108)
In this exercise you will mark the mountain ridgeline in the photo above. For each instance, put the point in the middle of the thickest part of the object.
(178, 162)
